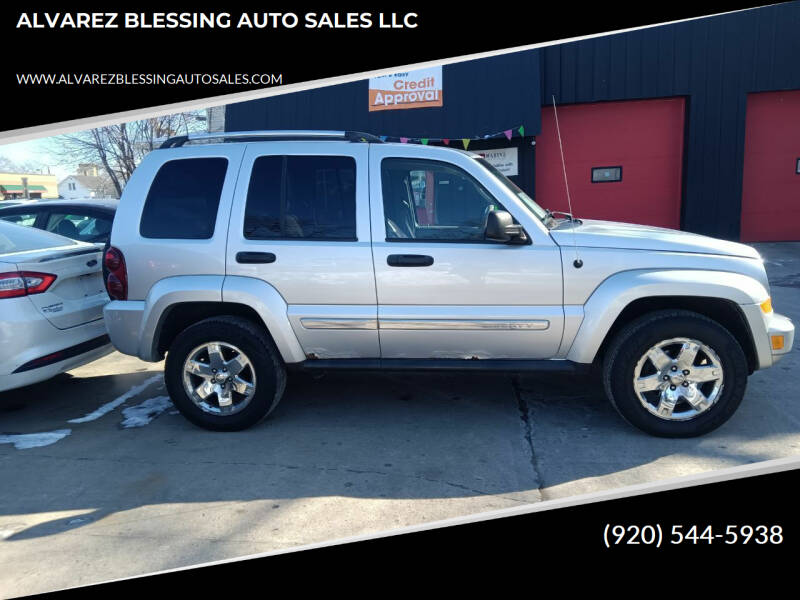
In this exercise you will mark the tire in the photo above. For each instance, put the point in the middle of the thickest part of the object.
(221, 342)
(701, 391)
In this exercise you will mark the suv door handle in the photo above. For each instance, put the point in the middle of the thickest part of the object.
(251, 258)
(409, 260)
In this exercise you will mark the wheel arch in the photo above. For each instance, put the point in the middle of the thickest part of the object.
(626, 296)
(177, 317)
(725, 312)
(253, 299)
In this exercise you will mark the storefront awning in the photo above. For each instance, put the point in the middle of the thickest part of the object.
(13, 187)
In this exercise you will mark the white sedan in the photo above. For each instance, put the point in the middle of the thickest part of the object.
(51, 305)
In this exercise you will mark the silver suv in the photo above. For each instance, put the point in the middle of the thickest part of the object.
(326, 250)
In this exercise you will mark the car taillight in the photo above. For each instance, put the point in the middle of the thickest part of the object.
(24, 283)
(117, 278)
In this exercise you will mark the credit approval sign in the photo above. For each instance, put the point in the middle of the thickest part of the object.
(421, 88)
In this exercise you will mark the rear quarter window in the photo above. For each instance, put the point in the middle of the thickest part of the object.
(183, 199)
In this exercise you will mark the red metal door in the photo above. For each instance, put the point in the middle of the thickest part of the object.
(643, 137)
(771, 182)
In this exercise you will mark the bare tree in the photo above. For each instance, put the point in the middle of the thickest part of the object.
(118, 149)
(8, 165)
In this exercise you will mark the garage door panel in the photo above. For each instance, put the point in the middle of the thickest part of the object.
(644, 137)
(770, 183)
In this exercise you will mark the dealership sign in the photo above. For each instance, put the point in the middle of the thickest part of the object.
(503, 159)
(413, 89)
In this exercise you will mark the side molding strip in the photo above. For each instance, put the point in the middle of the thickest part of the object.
(425, 324)
(312, 323)
(464, 324)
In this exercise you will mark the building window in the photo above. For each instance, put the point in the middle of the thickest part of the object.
(606, 174)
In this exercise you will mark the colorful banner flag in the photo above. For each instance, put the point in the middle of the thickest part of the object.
(507, 133)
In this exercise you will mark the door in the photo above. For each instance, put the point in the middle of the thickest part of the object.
(300, 222)
(624, 161)
(444, 291)
(771, 180)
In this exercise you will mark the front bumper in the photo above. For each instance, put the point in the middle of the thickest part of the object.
(783, 328)
(762, 328)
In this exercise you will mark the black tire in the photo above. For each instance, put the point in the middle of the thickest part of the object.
(634, 340)
(255, 343)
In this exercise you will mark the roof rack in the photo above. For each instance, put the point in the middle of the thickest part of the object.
(275, 135)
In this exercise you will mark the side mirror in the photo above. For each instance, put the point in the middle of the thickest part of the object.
(500, 227)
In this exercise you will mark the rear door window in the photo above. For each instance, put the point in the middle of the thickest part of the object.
(302, 197)
(83, 227)
(26, 219)
(183, 199)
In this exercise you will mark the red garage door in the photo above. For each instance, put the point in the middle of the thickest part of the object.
(771, 184)
(624, 160)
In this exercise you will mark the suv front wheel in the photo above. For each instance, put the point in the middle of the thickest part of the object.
(675, 373)
(224, 374)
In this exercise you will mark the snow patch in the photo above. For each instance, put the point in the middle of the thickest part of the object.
(109, 406)
(24, 441)
(144, 413)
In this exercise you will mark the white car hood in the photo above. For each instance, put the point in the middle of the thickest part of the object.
(610, 234)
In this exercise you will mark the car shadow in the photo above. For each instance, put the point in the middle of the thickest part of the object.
(511, 440)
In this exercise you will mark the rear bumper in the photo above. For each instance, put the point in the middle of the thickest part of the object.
(23, 378)
(26, 336)
(124, 320)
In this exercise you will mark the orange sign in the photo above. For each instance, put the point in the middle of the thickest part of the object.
(413, 89)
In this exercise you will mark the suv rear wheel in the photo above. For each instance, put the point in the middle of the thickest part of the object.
(675, 373)
(224, 374)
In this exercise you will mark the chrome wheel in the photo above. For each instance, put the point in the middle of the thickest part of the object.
(219, 378)
(678, 379)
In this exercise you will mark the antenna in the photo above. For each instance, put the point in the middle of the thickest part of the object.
(577, 263)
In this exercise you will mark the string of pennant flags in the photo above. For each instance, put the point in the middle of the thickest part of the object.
(507, 133)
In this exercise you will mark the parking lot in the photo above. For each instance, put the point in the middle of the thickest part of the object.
(103, 479)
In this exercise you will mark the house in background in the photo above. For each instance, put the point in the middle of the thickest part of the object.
(28, 185)
(87, 182)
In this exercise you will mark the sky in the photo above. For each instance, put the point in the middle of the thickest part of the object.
(36, 152)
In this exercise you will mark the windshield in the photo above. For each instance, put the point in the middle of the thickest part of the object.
(529, 203)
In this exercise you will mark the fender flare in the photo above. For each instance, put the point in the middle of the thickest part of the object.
(166, 293)
(611, 297)
(255, 293)
(271, 307)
